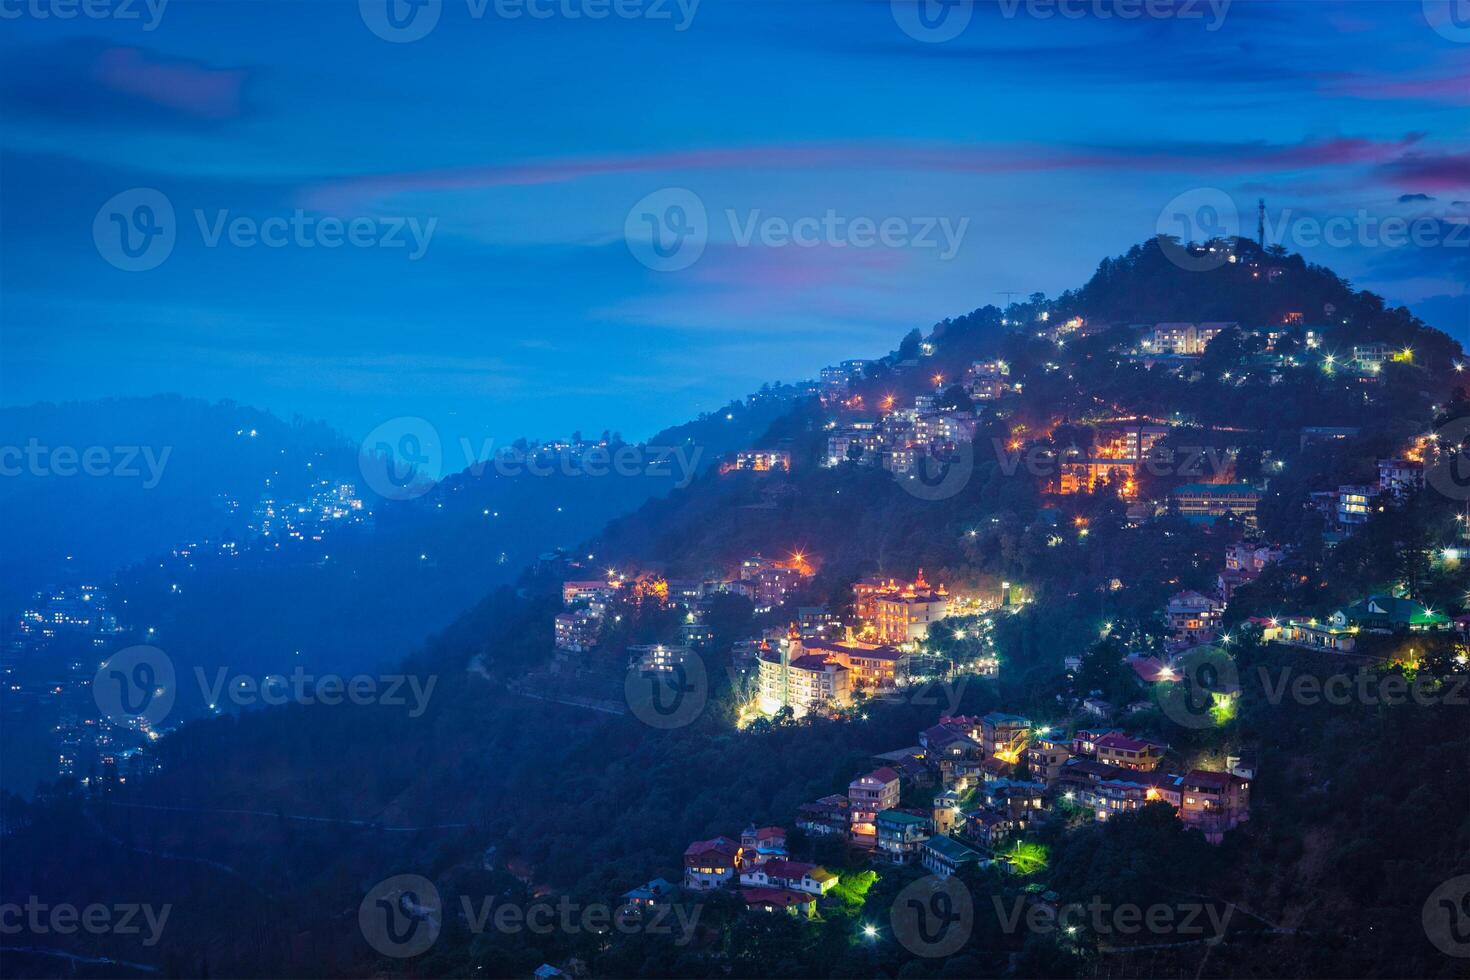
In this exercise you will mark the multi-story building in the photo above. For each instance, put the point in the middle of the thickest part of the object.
(1183, 338)
(905, 615)
(1397, 477)
(1118, 453)
(577, 629)
(1045, 757)
(872, 668)
(773, 586)
(1354, 504)
(1207, 501)
(1120, 750)
(806, 683)
(1213, 802)
(827, 817)
(868, 796)
(712, 863)
(1004, 736)
(657, 656)
(1193, 618)
(591, 590)
(900, 836)
(760, 461)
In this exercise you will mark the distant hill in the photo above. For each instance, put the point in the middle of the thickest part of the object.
(90, 486)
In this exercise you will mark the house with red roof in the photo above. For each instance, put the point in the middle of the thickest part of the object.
(868, 796)
(774, 899)
(1118, 749)
(812, 879)
(712, 863)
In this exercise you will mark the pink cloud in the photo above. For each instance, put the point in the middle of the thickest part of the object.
(203, 92)
(1431, 171)
(1449, 89)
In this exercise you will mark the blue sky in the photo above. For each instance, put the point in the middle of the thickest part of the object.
(518, 146)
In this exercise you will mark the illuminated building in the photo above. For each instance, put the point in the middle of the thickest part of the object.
(868, 796)
(900, 613)
(1207, 501)
(1116, 457)
(1193, 618)
(712, 863)
(803, 682)
(760, 461)
(1183, 338)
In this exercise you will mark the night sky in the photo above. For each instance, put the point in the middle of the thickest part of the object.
(1051, 141)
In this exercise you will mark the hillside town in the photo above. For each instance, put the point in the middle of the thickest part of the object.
(972, 790)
